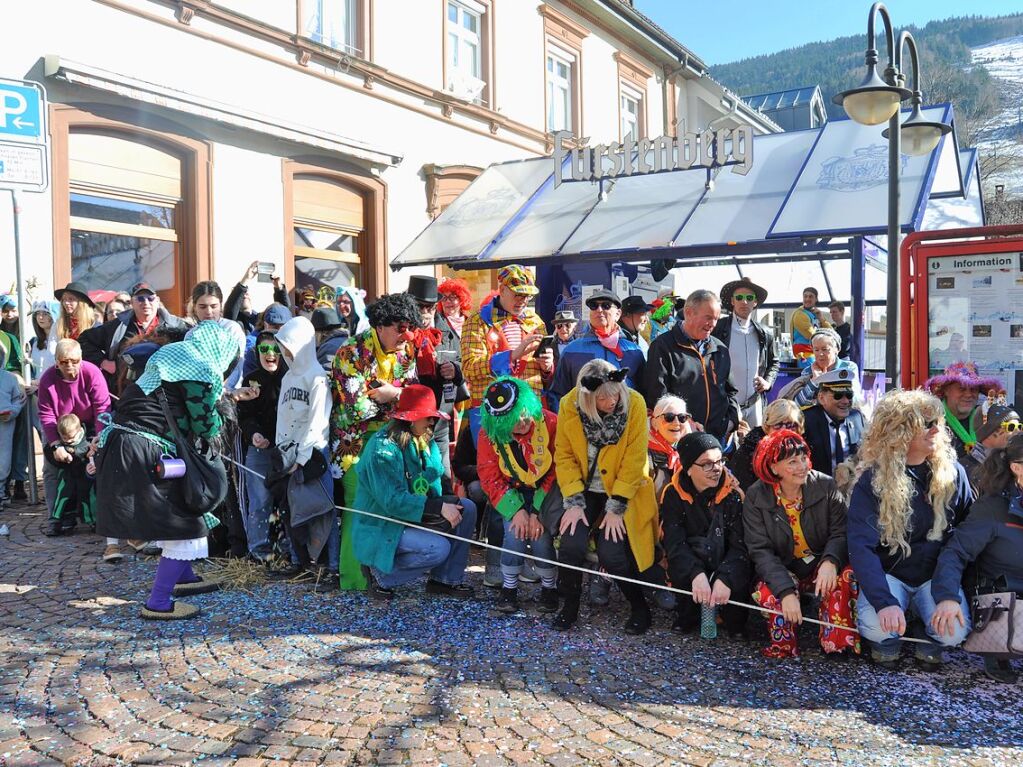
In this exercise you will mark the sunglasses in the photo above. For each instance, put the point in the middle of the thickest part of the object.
(605, 305)
(842, 394)
(1011, 426)
(268, 349)
(928, 425)
(672, 417)
(790, 425)
(747, 297)
(592, 383)
(147, 297)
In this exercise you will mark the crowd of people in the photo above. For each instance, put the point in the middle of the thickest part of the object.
(336, 439)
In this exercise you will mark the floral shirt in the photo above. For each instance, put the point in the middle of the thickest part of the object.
(356, 365)
(793, 510)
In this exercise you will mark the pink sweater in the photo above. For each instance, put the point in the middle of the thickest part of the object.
(87, 397)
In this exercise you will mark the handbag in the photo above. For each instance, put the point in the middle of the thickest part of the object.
(997, 625)
(203, 486)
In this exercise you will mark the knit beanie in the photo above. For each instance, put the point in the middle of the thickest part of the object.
(693, 445)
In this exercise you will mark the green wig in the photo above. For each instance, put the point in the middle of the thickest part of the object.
(503, 404)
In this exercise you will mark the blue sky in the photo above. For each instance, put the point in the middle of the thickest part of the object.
(720, 32)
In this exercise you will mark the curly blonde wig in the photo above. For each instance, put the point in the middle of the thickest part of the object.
(898, 417)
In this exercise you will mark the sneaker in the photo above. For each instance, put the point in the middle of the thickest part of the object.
(508, 602)
(887, 661)
(600, 590)
(492, 577)
(1000, 670)
(53, 529)
(460, 591)
(112, 553)
(19, 491)
(373, 589)
(548, 601)
(529, 574)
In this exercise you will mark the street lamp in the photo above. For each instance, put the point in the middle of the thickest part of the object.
(878, 99)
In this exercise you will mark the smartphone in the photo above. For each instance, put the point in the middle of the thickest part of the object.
(547, 342)
(375, 384)
(265, 271)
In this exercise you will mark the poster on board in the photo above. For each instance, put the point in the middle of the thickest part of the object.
(975, 312)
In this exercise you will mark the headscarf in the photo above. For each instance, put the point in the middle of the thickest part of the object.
(203, 358)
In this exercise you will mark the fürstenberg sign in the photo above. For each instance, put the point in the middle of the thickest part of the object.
(710, 149)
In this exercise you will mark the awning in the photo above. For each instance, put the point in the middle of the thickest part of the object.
(803, 187)
(182, 101)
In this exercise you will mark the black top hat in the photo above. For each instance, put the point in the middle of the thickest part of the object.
(77, 289)
(325, 318)
(423, 289)
(730, 287)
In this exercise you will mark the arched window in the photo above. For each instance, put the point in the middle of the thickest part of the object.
(329, 223)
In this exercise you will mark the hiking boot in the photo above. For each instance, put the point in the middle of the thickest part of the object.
(458, 591)
(492, 577)
(508, 602)
(600, 590)
(1000, 670)
(53, 528)
(639, 620)
(19, 491)
(548, 601)
(112, 553)
(569, 614)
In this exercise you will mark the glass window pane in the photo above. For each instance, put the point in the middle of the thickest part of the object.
(323, 272)
(471, 22)
(115, 262)
(453, 47)
(321, 240)
(452, 12)
(123, 211)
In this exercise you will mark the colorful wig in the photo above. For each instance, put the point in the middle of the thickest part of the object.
(777, 446)
(458, 288)
(503, 404)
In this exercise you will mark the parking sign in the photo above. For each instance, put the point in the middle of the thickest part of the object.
(24, 152)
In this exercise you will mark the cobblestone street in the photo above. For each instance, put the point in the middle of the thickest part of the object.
(286, 676)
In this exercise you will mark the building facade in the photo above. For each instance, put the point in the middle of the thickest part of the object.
(192, 137)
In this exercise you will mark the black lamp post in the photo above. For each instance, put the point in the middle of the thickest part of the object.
(874, 101)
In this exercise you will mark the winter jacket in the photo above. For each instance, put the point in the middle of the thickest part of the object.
(463, 461)
(104, 342)
(451, 345)
(328, 347)
(674, 366)
(872, 560)
(587, 348)
(992, 538)
(87, 397)
(507, 495)
(740, 462)
(819, 435)
(769, 538)
(485, 352)
(259, 415)
(303, 408)
(703, 533)
(386, 472)
(767, 362)
(10, 346)
(623, 467)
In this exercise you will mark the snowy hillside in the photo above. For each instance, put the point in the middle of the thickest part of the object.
(1001, 139)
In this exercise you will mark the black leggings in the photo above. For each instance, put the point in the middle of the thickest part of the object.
(615, 557)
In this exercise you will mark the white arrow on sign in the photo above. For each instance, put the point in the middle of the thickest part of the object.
(19, 123)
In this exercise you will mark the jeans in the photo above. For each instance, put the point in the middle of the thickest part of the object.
(422, 552)
(615, 557)
(511, 564)
(260, 504)
(914, 600)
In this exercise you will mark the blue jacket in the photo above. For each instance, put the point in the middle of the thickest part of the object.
(871, 560)
(386, 473)
(991, 537)
(582, 350)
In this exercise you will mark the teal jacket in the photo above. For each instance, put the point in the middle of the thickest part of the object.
(386, 473)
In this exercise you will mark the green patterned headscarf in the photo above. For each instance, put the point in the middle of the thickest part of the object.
(203, 358)
(504, 401)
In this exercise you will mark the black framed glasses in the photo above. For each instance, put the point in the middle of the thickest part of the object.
(268, 349)
(672, 417)
(709, 466)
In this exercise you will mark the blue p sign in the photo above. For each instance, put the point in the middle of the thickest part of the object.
(20, 113)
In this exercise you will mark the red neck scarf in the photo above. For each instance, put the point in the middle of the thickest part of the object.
(73, 330)
(658, 444)
(426, 342)
(148, 328)
(609, 340)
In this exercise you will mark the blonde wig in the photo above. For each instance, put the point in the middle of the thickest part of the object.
(587, 400)
(84, 314)
(898, 418)
(783, 411)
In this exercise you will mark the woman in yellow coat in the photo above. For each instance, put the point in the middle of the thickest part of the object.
(600, 455)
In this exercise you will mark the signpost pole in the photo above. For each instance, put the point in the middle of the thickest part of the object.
(26, 366)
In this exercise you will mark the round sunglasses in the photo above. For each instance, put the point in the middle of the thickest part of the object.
(672, 417)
